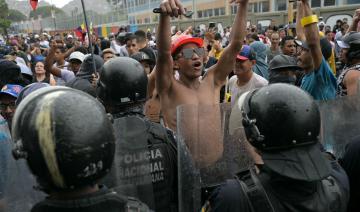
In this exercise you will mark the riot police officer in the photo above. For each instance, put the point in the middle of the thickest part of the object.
(68, 142)
(122, 89)
(282, 123)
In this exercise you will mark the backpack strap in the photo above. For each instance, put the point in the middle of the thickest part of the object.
(254, 191)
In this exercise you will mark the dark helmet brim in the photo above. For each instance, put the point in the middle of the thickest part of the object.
(305, 163)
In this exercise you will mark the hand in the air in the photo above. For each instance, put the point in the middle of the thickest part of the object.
(173, 8)
(356, 17)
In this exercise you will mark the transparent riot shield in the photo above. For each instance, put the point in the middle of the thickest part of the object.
(17, 184)
(5, 150)
(208, 153)
(131, 174)
(339, 123)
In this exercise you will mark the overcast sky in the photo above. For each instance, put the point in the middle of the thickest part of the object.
(58, 3)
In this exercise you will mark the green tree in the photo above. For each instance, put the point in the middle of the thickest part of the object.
(45, 11)
(16, 16)
(4, 14)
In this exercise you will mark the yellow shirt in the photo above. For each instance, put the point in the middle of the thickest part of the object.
(331, 62)
(217, 54)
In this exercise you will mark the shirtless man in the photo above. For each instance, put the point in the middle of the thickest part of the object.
(186, 55)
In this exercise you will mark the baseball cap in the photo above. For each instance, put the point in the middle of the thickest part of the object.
(325, 45)
(77, 56)
(12, 90)
(29, 89)
(351, 37)
(283, 61)
(185, 39)
(246, 53)
(69, 36)
(142, 56)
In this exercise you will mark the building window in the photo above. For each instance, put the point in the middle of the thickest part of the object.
(329, 2)
(353, 1)
(251, 8)
(222, 11)
(265, 6)
(199, 14)
(131, 19)
(216, 12)
(315, 3)
(139, 21)
(147, 20)
(281, 5)
(233, 9)
(210, 12)
(256, 7)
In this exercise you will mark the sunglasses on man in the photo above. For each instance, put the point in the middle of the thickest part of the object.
(189, 53)
(4, 106)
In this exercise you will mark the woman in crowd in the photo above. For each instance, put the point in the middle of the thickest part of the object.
(41, 76)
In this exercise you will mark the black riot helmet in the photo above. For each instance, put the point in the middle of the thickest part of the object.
(65, 136)
(123, 81)
(280, 116)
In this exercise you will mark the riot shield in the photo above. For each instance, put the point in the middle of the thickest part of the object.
(16, 181)
(207, 153)
(339, 123)
(132, 167)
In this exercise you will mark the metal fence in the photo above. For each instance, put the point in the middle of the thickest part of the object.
(66, 22)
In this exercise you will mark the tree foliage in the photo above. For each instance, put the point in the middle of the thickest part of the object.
(4, 14)
(45, 11)
(16, 16)
(4, 9)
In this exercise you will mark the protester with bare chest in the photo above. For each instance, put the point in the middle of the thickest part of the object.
(186, 55)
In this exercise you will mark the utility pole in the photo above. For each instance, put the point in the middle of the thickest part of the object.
(290, 15)
(53, 16)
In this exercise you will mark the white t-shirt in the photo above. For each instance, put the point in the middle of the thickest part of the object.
(256, 81)
(115, 46)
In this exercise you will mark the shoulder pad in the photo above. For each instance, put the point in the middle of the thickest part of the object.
(157, 130)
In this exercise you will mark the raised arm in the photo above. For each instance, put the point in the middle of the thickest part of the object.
(355, 21)
(299, 15)
(151, 83)
(312, 36)
(227, 60)
(49, 61)
(164, 65)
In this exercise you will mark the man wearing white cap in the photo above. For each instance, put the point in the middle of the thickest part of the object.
(75, 61)
(69, 41)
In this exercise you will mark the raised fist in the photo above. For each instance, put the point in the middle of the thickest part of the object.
(172, 8)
